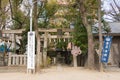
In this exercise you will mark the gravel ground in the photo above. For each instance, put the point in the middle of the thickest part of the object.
(58, 73)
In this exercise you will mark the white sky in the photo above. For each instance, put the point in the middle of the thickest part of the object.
(107, 7)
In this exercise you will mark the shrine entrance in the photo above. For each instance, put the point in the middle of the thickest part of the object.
(8, 45)
(54, 50)
(54, 46)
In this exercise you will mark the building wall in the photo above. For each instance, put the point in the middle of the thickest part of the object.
(114, 58)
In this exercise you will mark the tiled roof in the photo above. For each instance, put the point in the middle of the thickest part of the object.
(115, 27)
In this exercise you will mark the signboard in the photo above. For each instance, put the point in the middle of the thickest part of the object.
(31, 50)
(76, 51)
(106, 49)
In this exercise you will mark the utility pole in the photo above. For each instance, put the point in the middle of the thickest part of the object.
(100, 36)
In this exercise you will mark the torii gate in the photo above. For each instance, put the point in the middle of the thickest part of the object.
(47, 37)
(5, 37)
(13, 33)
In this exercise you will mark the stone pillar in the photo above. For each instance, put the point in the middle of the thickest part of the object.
(74, 61)
(13, 42)
(9, 59)
(45, 50)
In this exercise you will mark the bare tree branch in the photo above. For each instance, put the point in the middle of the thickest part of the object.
(115, 13)
(118, 7)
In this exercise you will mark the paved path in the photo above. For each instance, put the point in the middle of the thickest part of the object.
(59, 73)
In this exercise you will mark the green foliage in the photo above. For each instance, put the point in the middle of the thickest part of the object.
(3, 13)
(20, 20)
(106, 27)
(61, 44)
(51, 9)
(80, 32)
(80, 36)
(46, 11)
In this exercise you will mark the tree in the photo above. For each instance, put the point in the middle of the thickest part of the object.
(4, 11)
(88, 10)
(19, 20)
(46, 12)
(114, 11)
(57, 14)
(39, 55)
(80, 35)
(100, 35)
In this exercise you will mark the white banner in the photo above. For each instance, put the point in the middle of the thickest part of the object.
(31, 50)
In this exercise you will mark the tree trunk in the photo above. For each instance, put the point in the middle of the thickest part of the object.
(0, 5)
(100, 36)
(45, 51)
(38, 55)
(90, 62)
(90, 48)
